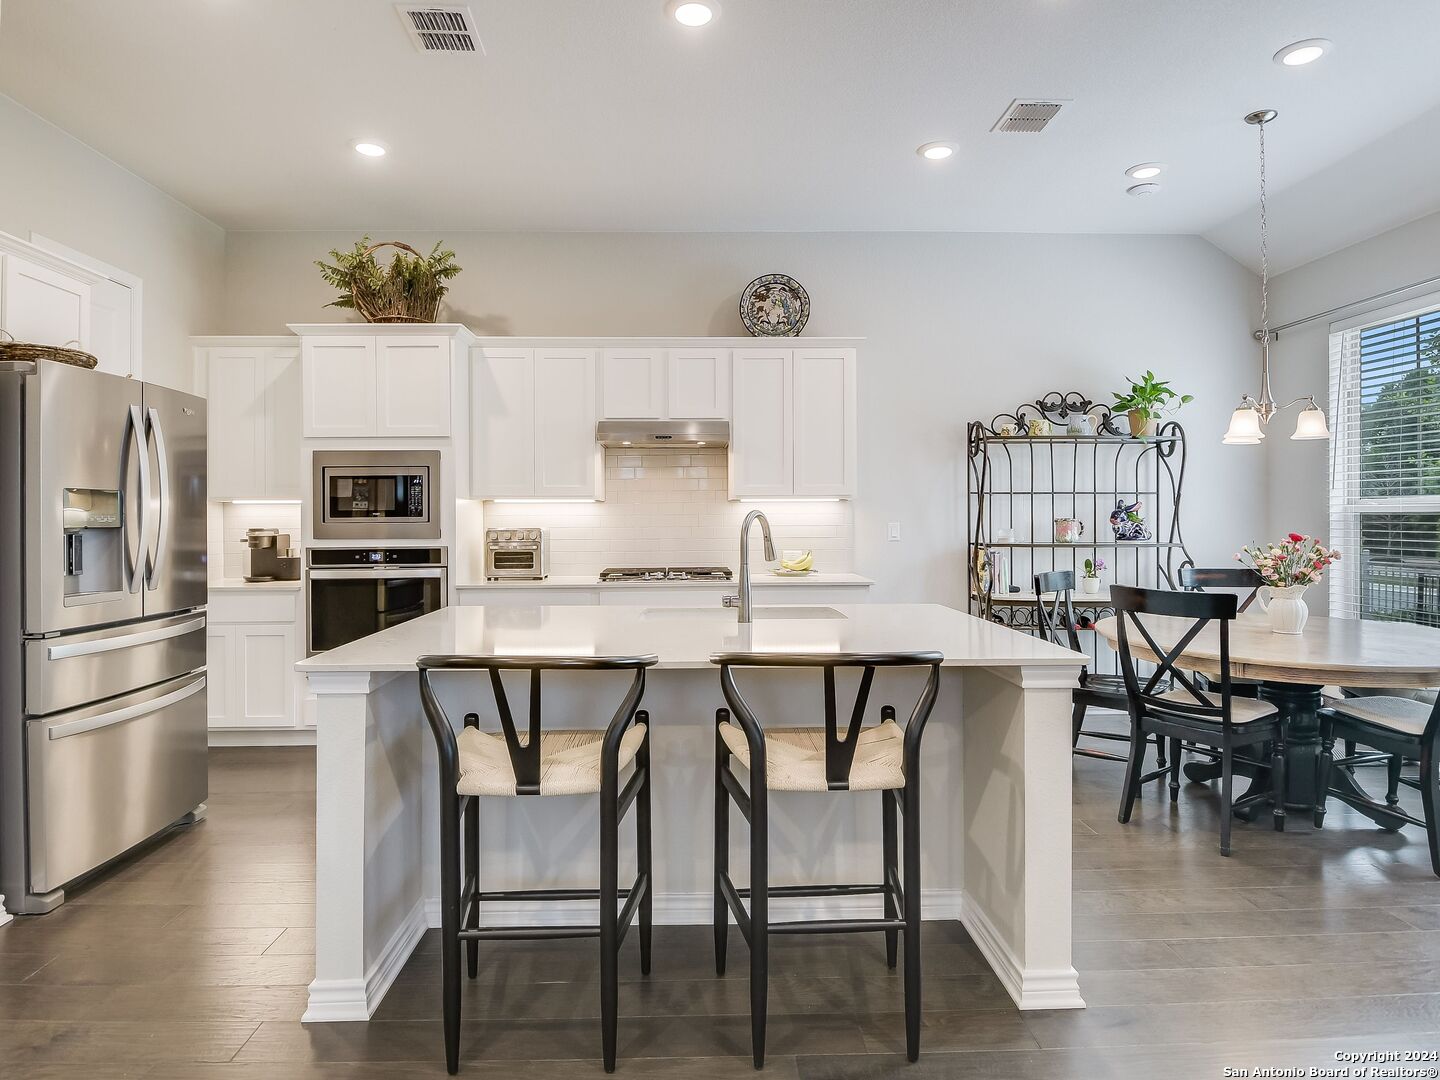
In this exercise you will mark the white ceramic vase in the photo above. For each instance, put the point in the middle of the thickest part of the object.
(1090, 586)
(1285, 607)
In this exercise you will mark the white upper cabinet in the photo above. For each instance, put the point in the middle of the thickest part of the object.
(42, 305)
(340, 377)
(793, 429)
(502, 423)
(253, 409)
(698, 384)
(359, 386)
(532, 423)
(632, 384)
(761, 429)
(414, 387)
(567, 461)
(823, 387)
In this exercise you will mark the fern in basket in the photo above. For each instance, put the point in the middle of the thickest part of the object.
(408, 290)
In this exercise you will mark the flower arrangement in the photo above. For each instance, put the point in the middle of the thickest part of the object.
(1094, 566)
(1296, 560)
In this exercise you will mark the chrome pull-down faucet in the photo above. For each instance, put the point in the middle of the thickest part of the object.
(743, 600)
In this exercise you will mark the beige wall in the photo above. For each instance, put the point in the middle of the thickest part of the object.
(959, 326)
(54, 185)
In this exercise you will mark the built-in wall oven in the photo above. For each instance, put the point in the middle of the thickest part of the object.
(368, 495)
(351, 593)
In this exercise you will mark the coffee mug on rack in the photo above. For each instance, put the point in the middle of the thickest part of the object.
(1068, 530)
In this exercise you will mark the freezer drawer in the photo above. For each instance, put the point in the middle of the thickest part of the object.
(103, 778)
(68, 670)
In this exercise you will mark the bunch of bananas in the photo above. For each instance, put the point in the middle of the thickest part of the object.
(800, 565)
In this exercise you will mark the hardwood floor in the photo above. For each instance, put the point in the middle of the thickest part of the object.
(191, 964)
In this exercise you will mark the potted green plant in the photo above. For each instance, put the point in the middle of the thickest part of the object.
(408, 290)
(1146, 401)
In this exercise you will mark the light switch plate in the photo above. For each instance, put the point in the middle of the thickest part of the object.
(892, 532)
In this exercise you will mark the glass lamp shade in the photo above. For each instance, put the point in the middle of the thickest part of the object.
(1244, 428)
(1310, 424)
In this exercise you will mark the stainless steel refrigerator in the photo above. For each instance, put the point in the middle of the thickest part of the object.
(102, 621)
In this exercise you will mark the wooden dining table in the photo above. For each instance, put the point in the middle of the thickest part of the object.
(1292, 670)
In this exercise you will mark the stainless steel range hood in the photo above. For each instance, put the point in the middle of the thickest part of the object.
(679, 433)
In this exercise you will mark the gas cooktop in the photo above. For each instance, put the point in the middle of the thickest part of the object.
(666, 573)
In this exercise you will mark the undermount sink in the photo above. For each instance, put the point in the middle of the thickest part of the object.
(795, 612)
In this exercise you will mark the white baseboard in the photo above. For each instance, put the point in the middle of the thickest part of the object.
(262, 736)
(1054, 988)
(696, 909)
(344, 1000)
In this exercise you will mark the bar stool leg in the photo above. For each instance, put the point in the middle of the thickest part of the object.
(891, 871)
(471, 911)
(912, 918)
(722, 840)
(642, 845)
(609, 915)
(450, 922)
(759, 911)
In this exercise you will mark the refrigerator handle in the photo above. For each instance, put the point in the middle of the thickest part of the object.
(142, 540)
(156, 432)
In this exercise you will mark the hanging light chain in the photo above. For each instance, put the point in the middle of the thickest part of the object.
(1264, 247)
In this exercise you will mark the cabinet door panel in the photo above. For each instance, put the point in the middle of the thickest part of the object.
(339, 376)
(112, 320)
(235, 413)
(699, 384)
(44, 306)
(219, 666)
(633, 384)
(824, 389)
(280, 432)
(414, 387)
(502, 423)
(761, 437)
(264, 659)
(566, 453)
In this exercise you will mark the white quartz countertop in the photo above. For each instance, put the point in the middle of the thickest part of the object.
(241, 585)
(757, 578)
(686, 637)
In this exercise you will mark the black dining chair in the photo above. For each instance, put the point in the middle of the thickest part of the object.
(882, 757)
(1209, 718)
(539, 762)
(1247, 584)
(1055, 620)
(1399, 728)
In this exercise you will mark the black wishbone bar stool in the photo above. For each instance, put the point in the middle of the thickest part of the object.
(882, 757)
(540, 762)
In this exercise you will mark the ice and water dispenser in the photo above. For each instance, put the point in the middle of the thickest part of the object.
(94, 542)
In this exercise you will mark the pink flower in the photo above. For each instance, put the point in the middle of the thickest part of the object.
(1296, 537)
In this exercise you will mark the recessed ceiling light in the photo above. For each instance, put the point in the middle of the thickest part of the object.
(1143, 189)
(1303, 52)
(1145, 170)
(692, 12)
(935, 151)
(369, 149)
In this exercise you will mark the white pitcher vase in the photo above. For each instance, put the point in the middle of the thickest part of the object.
(1285, 606)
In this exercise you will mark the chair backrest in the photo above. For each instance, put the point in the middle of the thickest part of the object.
(1200, 609)
(1200, 578)
(524, 756)
(1055, 618)
(839, 747)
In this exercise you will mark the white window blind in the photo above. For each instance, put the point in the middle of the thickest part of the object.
(1385, 465)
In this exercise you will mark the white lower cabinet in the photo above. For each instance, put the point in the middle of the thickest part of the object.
(254, 643)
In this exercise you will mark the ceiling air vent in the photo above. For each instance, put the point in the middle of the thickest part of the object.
(1027, 117)
(436, 28)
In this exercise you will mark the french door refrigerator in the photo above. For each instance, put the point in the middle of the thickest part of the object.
(102, 621)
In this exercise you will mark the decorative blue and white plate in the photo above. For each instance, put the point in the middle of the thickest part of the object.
(774, 305)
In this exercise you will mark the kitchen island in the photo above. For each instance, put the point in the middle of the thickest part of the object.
(996, 818)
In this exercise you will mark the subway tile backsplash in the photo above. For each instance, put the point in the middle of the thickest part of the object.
(228, 523)
(672, 508)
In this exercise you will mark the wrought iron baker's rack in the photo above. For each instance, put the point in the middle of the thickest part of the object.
(1021, 482)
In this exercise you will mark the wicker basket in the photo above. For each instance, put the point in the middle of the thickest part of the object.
(388, 305)
(21, 350)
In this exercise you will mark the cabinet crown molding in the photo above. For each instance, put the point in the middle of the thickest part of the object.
(13, 245)
(364, 329)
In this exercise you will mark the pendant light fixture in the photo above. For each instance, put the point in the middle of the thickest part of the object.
(1252, 416)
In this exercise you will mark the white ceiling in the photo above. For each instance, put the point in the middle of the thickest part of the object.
(781, 115)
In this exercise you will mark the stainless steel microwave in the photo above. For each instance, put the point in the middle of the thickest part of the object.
(371, 495)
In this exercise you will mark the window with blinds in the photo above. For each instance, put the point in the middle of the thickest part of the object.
(1385, 466)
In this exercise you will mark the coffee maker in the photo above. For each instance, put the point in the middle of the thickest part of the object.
(269, 556)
